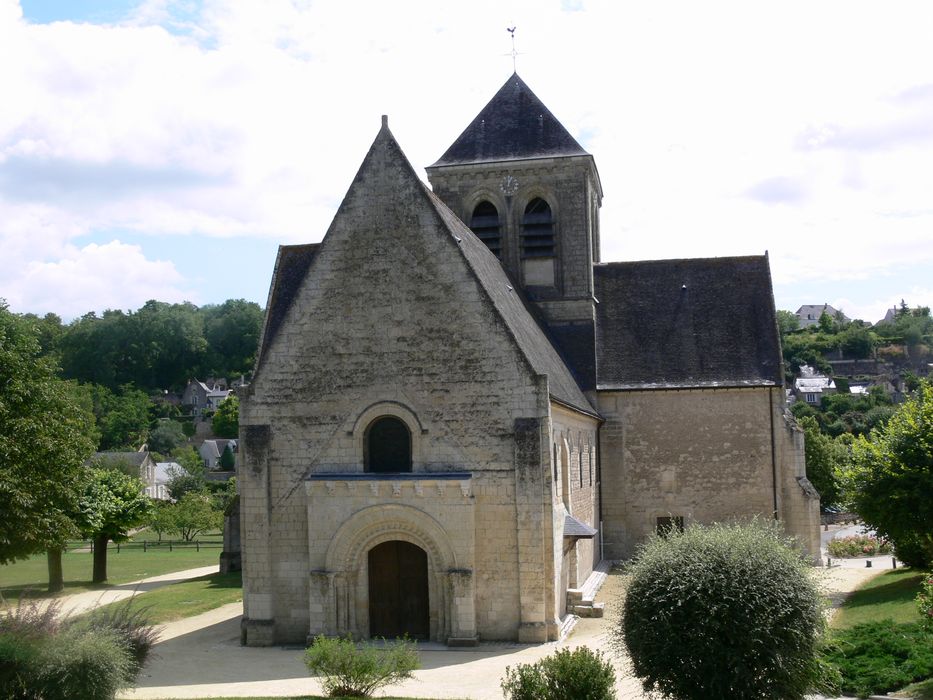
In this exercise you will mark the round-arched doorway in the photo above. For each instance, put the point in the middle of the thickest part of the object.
(398, 590)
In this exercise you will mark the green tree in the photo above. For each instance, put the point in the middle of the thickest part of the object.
(232, 332)
(824, 458)
(122, 417)
(726, 611)
(195, 514)
(166, 436)
(890, 480)
(161, 518)
(787, 322)
(826, 322)
(45, 437)
(226, 420)
(227, 459)
(118, 504)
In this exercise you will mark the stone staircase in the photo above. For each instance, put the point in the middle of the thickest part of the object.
(581, 601)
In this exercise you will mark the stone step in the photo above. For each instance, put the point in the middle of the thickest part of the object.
(594, 610)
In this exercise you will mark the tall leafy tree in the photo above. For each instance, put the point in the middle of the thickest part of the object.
(226, 420)
(890, 482)
(118, 504)
(45, 436)
(824, 459)
(232, 331)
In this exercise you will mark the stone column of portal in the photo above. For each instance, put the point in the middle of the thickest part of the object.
(462, 608)
(529, 516)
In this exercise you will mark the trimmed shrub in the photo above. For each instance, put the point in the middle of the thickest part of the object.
(580, 674)
(723, 611)
(357, 670)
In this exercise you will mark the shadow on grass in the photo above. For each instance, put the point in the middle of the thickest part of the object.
(901, 591)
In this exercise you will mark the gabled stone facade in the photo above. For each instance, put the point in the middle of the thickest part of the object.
(443, 441)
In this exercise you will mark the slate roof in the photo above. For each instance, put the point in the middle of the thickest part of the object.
(702, 322)
(577, 529)
(291, 266)
(515, 125)
(134, 458)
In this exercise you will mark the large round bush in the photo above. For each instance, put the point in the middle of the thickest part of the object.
(725, 611)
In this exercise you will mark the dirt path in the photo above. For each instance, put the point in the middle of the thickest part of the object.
(201, 657)
(82, 602)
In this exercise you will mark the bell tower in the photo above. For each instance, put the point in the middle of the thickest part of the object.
(530, 192)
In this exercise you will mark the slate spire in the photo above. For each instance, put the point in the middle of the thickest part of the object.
(515, 125)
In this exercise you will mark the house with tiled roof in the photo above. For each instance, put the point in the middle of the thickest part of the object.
(459, 413)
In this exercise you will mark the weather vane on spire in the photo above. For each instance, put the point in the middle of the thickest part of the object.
(511, 31)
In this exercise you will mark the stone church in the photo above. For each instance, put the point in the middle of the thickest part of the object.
(458, 410)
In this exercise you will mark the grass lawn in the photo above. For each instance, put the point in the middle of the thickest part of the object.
(888, 596)
(917, 691)
(130, 564)
(188, 598)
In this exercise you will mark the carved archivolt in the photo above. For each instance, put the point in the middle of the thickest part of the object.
(381, 523)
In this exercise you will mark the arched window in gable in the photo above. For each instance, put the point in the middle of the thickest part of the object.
(485, 224)
(388, 446)
(537, 230)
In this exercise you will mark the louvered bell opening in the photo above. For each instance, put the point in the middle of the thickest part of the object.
(537, 230)
(485, 224)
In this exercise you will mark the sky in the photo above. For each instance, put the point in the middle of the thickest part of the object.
(164, 148)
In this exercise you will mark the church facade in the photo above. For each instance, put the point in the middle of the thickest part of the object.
(458, 410)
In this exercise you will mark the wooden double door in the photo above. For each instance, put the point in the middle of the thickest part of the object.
(398, 590)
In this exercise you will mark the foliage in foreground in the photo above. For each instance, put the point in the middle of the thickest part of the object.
(925, 601)
(891, 478)
(580, 674)
(45, 436)
(723, 611)
(878, 657)
(357, 670)
(46, 657)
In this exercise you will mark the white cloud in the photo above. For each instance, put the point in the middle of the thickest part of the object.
(250, 119)
(96, 277)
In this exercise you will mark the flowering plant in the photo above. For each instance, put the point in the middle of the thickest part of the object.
(858, 546)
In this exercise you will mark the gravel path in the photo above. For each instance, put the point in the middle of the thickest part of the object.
(201, 657)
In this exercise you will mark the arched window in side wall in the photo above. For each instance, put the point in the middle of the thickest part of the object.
(388, 446)
(537, 230)
(485, 224)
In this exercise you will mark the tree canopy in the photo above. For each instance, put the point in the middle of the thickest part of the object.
(226, 420)
(45, 436)
(890, 480)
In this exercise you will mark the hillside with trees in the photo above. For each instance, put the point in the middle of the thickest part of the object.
(887, 363)
(129, 367)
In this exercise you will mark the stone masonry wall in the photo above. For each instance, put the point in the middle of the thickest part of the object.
(705, 455)
(570, 188)
(574, 436)
(389, 320)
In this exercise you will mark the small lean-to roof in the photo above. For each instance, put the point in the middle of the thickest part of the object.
(705, 322)
(515, 125)
(291, 266)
